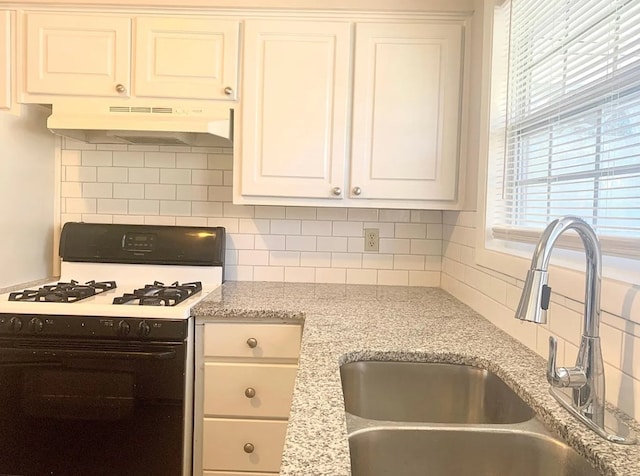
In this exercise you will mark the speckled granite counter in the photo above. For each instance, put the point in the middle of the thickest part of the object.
(348, 323)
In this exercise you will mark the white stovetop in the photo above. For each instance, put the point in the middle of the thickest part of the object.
(128, 278)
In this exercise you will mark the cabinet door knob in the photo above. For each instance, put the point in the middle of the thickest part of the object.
(337, 191)
(228, 91)
(357, 190)
(251, 342)
(250, 392)
(248, 448)
(120, 88)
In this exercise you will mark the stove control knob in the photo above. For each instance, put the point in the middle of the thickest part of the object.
(36, 325)
(144, 329)
(15, 324)
(123, 328)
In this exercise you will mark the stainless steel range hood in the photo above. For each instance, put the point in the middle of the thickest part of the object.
(139, 122)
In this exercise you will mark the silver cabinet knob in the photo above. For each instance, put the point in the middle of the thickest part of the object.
(228, 91)
(357, 190)
(250, 392)
(337, 191)
(251, 342)
(248, 448)
(120, 88)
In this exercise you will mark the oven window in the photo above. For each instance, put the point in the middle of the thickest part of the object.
(90, 416)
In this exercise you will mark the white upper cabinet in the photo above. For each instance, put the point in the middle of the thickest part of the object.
(77, 55)
(406, 108)
(6, 46)
(294, 108)
(97, 55)
(397, 143)
(186, 57)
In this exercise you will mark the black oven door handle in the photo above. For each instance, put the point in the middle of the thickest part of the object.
(49, 353)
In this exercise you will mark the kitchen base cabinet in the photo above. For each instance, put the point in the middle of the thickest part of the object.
(245, 374)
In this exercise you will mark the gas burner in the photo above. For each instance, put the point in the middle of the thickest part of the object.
(63, 292)
(159, 294)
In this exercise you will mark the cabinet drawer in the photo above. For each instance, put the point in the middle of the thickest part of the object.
(275, 341)
(224, 441)
(228, 388)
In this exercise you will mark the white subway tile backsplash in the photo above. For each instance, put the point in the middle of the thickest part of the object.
(424, 278)
(160, 159)
(301, 243)
(284, 258)
(175, 208)
(112, 206)
(97, 190)
(411, 230)
(315, 259)
(178, 185)
(220, 193)
(191, 192)
(97, 157)
(141, 175)
(334, 214)
(253, 257)
(395, 215)
(327, 243)
(80, 174)
(128, 159)
(317, 228)
(191, 160)
(71, 157)
(395, 246)
(286, 227)
(348, 228)
(160, 191)
(144, 207)
(175, 176)
(128, 190)
(255, 226)
(206, 177)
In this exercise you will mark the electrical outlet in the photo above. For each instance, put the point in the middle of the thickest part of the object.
(371, 239)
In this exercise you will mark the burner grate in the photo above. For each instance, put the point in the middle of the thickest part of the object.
(63, 292)
(159, 294)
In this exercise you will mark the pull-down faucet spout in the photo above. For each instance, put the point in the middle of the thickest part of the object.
(586, 379)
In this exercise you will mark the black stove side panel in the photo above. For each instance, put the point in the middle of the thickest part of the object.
(142, 244)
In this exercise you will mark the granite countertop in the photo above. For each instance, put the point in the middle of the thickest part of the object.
(345, 323)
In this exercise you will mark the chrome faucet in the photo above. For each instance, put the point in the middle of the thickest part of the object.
(585, 381)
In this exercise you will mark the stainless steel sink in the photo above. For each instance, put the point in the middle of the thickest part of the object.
(419, 418)
(429, 392)
(420, 452)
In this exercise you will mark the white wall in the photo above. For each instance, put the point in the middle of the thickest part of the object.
(27, 181)
(496, 296)
(192, 186)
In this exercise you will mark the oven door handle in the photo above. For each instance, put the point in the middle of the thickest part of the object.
(44, 352)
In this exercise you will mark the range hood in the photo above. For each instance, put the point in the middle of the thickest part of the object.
(138, 122)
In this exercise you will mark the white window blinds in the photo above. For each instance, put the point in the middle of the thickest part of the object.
(570, 121)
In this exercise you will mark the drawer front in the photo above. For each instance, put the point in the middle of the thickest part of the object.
(275, 341)
(248, 390)
(224, 445)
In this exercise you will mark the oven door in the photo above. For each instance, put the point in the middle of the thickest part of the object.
(82, 407)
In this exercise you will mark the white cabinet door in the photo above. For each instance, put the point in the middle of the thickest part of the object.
(6, 45)
(406, 107)
(295, 108)
(74, 54)
(194, 58)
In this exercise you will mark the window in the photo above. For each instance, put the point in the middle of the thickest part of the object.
(565, 127)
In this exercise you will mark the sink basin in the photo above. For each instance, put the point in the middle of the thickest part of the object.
(429, 393)
(419, 452)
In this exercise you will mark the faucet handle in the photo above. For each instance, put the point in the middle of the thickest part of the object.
(573, 377)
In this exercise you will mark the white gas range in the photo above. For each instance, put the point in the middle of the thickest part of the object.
(100, 362)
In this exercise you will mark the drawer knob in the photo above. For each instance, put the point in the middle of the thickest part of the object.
(248, 448)
(251, 342)
(337, 191)
(357, 190)
(120, 88)
(250, 392)
(228, 91)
